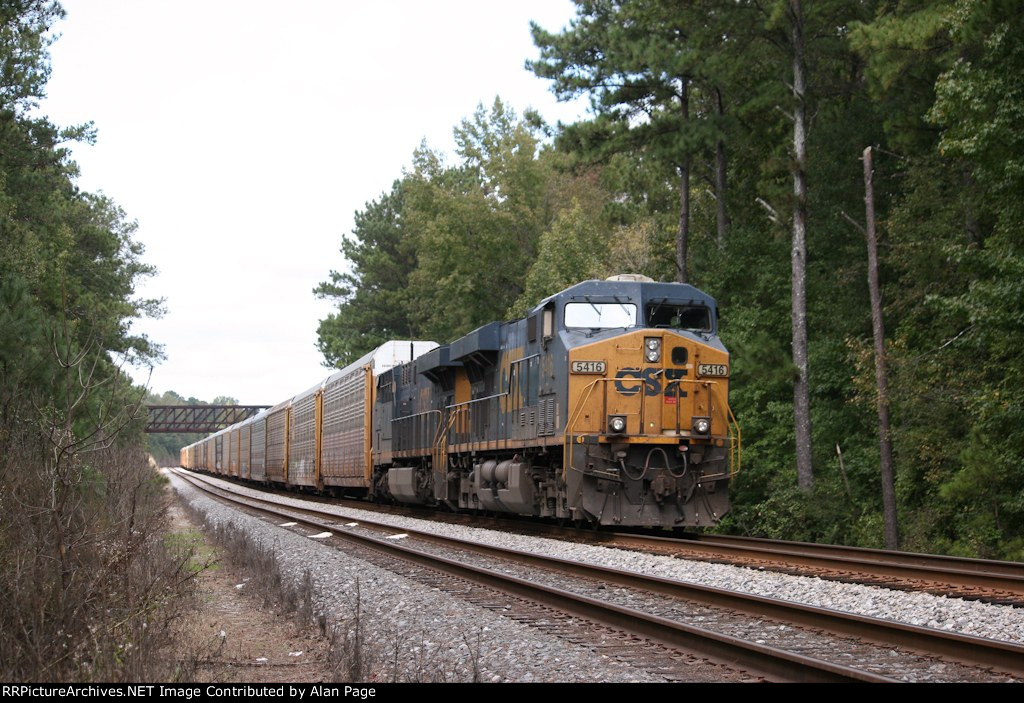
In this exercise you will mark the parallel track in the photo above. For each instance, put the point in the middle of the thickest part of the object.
(772, 663)
(975, 579)
(984, 580)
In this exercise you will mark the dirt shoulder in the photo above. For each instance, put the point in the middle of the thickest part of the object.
(232, 636)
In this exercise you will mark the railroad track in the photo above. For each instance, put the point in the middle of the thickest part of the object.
(789, 642)
(983, 580)
(972, 579)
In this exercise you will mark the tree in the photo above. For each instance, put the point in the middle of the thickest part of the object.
(85, 590)
(449, 249)
(806, 50)
(25, 68)
(70, 265)
(892, 539)
(570, 252)
(980, 105)
(645, 67)
(478, 222)
(373, 297)
(801, 385)
(947, 75)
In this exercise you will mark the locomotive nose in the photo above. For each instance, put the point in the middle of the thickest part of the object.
(651, 433)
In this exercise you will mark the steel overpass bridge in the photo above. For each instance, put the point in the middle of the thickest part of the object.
(204, 419)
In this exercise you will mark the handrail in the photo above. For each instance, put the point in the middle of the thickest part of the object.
(419, 424)
(466, 409)
(476, 400)
(443, 428)
(735, 447)
(409, 417)
(733, 428)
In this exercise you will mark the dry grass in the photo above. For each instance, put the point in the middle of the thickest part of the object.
(92, 589)
(359, 651)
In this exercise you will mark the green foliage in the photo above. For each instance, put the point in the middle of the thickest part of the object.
(634, 60)
(478, 223)
(656, 76)
(21, 321)
(451, 247)
(87, 588)
(25, 67)
(373, 297)
(950, 74)
(573, 250)
(69, 270)
(936, 87)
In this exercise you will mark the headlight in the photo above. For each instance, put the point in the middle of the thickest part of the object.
(653, 353)
(701, 425)
(616, 424)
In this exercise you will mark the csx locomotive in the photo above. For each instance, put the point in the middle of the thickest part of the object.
(607, 403)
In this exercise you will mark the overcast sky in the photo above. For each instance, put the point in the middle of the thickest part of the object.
(243, 135)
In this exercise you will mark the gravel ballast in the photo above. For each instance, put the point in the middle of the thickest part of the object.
(943, 613)
(412, 632)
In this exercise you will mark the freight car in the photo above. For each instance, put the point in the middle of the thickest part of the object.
(607, 404)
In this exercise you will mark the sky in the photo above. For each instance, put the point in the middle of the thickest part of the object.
(242, 136)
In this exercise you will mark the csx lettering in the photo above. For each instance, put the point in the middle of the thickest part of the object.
(631, 389)
(651, 378)
(673, 376)
(652, 384)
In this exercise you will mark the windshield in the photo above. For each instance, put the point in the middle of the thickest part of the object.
(680, 317)
(600, 315)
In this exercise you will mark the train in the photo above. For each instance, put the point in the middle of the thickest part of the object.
(606, 404)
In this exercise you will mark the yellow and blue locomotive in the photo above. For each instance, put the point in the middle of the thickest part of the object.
(607, 403)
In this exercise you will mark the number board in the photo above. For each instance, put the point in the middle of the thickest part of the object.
(594, 367)
(712, 370)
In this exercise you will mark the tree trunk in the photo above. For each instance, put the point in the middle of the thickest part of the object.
(892, 537)
(801, 389)
(721, 213)
(682, 239)
(971, 224)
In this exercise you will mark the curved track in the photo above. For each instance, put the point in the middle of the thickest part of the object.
(975, 579)
(771, 662)
(984, 580)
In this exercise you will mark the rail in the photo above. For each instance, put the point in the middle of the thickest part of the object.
(1003, 656)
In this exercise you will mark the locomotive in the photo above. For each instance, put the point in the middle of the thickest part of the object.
(606, 404)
